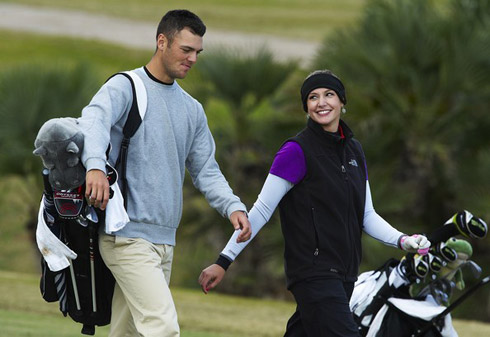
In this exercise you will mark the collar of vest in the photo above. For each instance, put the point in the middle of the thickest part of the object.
(344, 131)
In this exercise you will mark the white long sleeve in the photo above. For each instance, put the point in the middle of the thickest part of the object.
(273, 190)
(377, 227)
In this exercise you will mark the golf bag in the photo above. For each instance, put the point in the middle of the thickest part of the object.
(383, 303)
(84, 289)
(413, 317)
(84, 285)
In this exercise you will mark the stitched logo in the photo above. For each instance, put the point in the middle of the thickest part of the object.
(353, 162)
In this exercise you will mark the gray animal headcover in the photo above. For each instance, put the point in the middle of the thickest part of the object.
(59, 143)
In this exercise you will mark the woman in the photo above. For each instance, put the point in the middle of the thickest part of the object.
(319, 180)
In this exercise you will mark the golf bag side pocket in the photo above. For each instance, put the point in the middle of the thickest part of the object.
(47, 283)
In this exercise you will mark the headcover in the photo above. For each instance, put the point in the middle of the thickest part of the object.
(322, 80)
(59, 143)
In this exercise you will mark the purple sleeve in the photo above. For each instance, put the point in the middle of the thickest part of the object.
(289, 163)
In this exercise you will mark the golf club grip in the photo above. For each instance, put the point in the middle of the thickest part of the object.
(48, 190)
(443, 233)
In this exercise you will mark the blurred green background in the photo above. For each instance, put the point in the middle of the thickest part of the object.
(417, 78)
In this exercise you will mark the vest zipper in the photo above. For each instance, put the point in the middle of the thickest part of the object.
(317, 250)
(342, 159)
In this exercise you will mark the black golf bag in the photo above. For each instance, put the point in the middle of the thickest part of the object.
(84, 289)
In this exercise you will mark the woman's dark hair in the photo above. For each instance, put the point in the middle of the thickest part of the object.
(176, 20)
(322, 79)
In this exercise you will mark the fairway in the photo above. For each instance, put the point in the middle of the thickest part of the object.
(24, 313)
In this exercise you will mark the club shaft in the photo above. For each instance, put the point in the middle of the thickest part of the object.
(75, 287)
(92, 278)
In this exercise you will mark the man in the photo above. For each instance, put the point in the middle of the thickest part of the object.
(173, 136)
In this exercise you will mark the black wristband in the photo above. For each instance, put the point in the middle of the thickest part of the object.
(399, 241)
(223, 261)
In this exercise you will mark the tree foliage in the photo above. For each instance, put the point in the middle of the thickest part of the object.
(30, 95)
(237, 91)
(417, 76)
(417, 80)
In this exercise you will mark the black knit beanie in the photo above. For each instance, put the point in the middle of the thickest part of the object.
(322, 80)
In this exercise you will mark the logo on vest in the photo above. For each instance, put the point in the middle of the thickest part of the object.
(353, 162)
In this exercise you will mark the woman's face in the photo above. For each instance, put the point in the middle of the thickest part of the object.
(324, 108)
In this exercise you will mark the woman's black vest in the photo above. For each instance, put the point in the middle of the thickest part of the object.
(322, 216)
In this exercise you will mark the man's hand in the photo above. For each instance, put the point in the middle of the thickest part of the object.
(239, 220)
(211, 277)
(97, 189)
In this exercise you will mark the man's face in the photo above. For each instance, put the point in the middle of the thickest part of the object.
(180, 55)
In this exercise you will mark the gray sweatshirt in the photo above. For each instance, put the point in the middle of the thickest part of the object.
(174, 135)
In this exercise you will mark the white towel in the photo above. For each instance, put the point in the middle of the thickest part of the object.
(55, 253)
(116, 216)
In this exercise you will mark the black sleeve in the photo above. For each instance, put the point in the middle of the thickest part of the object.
(223, 261)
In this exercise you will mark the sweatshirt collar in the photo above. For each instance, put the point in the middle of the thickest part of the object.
(156, 79)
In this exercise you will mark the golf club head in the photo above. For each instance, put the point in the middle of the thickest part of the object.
(474, 268)
(91, 215)
(470, 225)
(435, 262)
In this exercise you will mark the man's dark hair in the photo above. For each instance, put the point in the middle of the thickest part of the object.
(176, 20)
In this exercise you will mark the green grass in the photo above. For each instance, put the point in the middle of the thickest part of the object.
(24, 313)
(306, 19)
(17, 250)
(17, 48)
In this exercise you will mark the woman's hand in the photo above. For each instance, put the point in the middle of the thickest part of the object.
(416, 243)
(210, 277)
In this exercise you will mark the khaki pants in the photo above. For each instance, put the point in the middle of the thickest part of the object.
(142, 304)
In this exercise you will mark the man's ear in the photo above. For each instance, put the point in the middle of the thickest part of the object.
(162, 42)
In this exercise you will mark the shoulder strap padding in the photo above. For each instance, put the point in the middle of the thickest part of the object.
(141, 97)
(139, 105)
(133, 122)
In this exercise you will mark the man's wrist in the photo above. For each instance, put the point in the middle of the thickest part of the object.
(95, 164)
(236, 207)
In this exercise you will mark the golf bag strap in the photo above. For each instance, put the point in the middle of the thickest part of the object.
(135, 117)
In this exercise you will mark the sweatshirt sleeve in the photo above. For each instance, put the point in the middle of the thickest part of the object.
(205, 172)
(105, 109)
(375, 226)
(273, 190)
